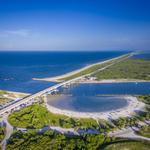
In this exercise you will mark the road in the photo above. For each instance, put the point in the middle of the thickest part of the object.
(128, 133)
(9, 131)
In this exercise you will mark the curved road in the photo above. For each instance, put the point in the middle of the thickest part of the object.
(9, 131)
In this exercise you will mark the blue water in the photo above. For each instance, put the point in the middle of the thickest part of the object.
(143, 55)
(90, 97)
(88, 103)
(108, 88)
(18, 68)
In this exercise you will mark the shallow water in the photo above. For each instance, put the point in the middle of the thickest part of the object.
(90, 97)
(94, 89)
(88, 103)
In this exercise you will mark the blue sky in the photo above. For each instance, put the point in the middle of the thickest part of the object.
(74, 25)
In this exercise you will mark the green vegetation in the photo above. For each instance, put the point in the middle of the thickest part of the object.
(4, 100)
(128, 145)
(133, 121)
(144, 131)
(125, 122)
(86, 71)
(3, 92)
(92, 69)
(145, 99)
(7, 97)
(2, 133)
(37, 116)
(50, 140)
(127, 69)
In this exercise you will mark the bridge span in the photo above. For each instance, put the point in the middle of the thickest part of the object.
(30, 98)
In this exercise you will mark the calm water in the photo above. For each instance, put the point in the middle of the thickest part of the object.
(88, 103)
(144, 55)
(18, 68)
(108, 88)
(90, 97)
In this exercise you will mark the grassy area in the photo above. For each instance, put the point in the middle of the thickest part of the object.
(50, 140)
(141, 116)
(127, 69)
(145, 99)
(86, 71)
(2, 133)
(125, 122)
(6, 97)
(3, 92)
(128, 145)
(37, 116)
(91, 69)
(4, 100)
(144, 131)
(53, 141)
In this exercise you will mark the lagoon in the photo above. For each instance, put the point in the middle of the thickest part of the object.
(97, 97)
(87, 103)
(94, 89)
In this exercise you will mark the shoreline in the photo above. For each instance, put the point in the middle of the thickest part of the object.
(113, 81)
(59, 78)
(17, 93)
(133, 106)
(99, 81)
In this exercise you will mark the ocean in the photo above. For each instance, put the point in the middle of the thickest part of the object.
(18, 68)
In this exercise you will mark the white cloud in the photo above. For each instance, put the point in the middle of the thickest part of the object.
(18, 32)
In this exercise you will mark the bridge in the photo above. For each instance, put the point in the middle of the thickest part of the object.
(30, 99)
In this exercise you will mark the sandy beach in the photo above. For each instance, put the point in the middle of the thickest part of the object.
(133, 106)
(16, 94)
(114, 81)
(59, 78)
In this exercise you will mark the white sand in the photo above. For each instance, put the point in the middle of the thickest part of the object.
(61, 77)
(133, 106)
(113, 81)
